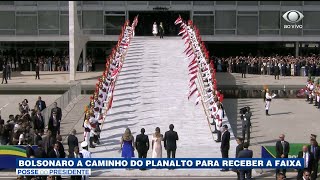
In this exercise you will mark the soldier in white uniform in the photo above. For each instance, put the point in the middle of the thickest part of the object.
(86, 154)
(268, 98)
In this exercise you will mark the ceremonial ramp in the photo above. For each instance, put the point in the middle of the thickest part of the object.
(151, 92)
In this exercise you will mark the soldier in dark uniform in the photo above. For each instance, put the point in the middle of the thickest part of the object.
(243, 68)
(276, 71)
(37, 71)
(4, 74)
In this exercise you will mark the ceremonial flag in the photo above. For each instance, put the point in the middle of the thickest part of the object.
(192, 92)
(178, 20)
(198, 98)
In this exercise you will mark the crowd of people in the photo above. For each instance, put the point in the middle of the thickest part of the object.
(312, 91)
(271, 65)
(46, 63)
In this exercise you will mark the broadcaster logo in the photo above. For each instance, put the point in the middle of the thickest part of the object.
(292, 16)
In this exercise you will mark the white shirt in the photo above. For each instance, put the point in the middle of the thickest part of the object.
(85, 153)
(306, 157)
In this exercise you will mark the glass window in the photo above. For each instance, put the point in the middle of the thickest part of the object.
(7, 19)
(311, 2)
(311, 32)
(48, 32)
(203, 3)
(311, 20)
(48, 19)
(291, 3)
(93, 31)
(269, 2)
(136, 2)
(225, 19)
(269, 20)
(246, 3)
(205, 24)
(225, 32)
(180, 2)
(26, 25)
(91, 2)
(247, 25)
(159, 3)
(225, 2)
(6, 2)
(269, 32)
(64, 25)
(114, 3)
(7, 32)
(54, 3)
(92, 19)
(113, 24)
(25, 3)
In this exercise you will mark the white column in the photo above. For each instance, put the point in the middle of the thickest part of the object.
(72, 48)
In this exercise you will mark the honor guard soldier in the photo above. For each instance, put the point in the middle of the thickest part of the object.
(268, 97)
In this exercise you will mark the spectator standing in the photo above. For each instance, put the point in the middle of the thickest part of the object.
(170, 142)
(76, 154)
(54, 124)
(9, 70)
(315, 150)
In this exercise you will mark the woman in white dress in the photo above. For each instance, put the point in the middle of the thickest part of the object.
(156, 144)
(155, 29)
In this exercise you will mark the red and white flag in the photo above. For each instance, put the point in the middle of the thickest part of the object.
(192, 92)
(178, 20)
(198, 99)
(182, 31)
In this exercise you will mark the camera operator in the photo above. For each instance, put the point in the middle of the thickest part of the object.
(246, 122)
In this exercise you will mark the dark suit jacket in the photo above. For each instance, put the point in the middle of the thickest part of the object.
(142, 143)
(29, 151)
(238, 149)
(246, 153)
(61, 150)
(42, 103)
(40, 153)
(52, 154)
(279, 149)
(71, 155)
(316, 153)
(47, 143)
(50, 124)
(170, 140)
(311, 160)
(72, 142)
(58, 111)
(225, 141)
(38, 124)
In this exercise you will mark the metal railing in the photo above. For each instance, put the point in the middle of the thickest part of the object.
(63, 101)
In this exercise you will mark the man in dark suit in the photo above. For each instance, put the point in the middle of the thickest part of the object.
(170, 142)
(75, 154)
(61, 148)
(54, 153)
(38, 122)
(40, 152)
(37, 71)
(245, 153)
(54, 124)
(57, 110)
(142, 144)
(315, 150)
(4, 74)
(29, 151)
(282, 151)
(238, 149)
(48, 142)
(243, 68)
(225, 143)
(308, 161)
(41, 104)
(72, 141)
